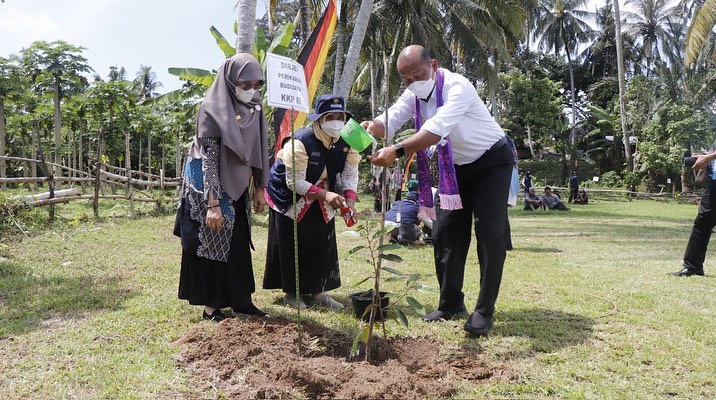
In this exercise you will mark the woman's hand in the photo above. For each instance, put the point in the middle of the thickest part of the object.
(213, 218)
(334, 199)
(259, 199)
(351, 205)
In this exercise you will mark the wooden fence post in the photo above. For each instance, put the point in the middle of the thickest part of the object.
(98, 173)
(48, 173)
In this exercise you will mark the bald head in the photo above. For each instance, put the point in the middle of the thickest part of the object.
(415, 64)
(415, 53)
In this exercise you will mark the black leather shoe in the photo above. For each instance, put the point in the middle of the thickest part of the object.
(251, 310)
(688, 272)
(216, 316)
(478, 325)
(438, 315)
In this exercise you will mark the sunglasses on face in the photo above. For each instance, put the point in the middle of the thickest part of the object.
(249, 85)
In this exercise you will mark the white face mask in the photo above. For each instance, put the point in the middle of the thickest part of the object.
(422, 89)
(332, 128)
(244, 96)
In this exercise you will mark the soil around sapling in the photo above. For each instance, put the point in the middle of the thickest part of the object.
(257, 358)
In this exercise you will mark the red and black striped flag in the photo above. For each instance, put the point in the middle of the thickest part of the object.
(313, 58)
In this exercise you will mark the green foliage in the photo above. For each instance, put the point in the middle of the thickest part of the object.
(532, 104)
(372, 233)
(611, 179)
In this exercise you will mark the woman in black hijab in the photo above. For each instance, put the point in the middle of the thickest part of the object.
(228, 154)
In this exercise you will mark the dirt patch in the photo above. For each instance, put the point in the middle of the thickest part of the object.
(257, 358)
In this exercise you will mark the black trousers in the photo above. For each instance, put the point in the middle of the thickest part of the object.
(701, 232)
(572, 194)
(484, 188)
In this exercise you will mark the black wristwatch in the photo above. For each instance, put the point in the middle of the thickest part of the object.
(399, 150)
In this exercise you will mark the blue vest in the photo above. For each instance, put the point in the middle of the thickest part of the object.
(319, 157)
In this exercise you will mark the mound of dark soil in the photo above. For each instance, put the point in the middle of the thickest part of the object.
(257, 358)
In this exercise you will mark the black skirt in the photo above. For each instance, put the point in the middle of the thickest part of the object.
(215, 283)
(317, 253)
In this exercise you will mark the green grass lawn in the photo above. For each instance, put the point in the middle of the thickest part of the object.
(586, 310)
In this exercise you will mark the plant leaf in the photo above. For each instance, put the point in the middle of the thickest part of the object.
(363, 280)
(427, 289)
(393, 279)
(390, 246)
(401, 317)
(197, 75)
(392, 270)
(366, 312)
(356, 340)
(416, 305)
(224, 45)
(382, 232)
(260, 47)
(364, 334)
(355, 249)
(282, 39)
(391, 257)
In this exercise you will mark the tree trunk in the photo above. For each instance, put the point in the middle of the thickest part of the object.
(246, 33)
(127, 152)
(98, 173)
(80, 150)
(139, 158)
(573, 130)
(149, 152)
(351, 63)
(373, 89)
(33, 166)
(493, 105)
(128, 172)
(70, 154)
(58, 127)
(177, 159)
(2, 140)
(529, 141)
(302, 22)
(622, 87)
(340, 44)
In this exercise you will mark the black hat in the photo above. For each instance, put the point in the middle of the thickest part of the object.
(328, 103)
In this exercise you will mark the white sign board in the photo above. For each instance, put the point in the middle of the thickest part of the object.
(286, 83)
(595, 178)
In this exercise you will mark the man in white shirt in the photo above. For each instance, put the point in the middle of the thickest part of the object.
(456, 119)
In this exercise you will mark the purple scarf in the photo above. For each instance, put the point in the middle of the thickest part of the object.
(448, 189)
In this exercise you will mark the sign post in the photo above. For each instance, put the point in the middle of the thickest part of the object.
(287, 89)
(286, 83)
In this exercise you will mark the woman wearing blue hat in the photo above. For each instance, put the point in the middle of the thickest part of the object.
(326, 171)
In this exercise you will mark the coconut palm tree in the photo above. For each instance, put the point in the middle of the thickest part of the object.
(651, 18)
(246, 26)
(563, 25)
(622, 86)
(146, 83)
(700, 30)
(360, 25)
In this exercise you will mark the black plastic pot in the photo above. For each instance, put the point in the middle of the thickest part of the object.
(362, 300)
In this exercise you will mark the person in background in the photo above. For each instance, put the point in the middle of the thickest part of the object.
(552, 201)
(527, 181)
(228, 155)
(705, 221)
(322, 159)
(533, 201)
(475, 164)
(582, 197)
(404, 213)
(573, 186)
